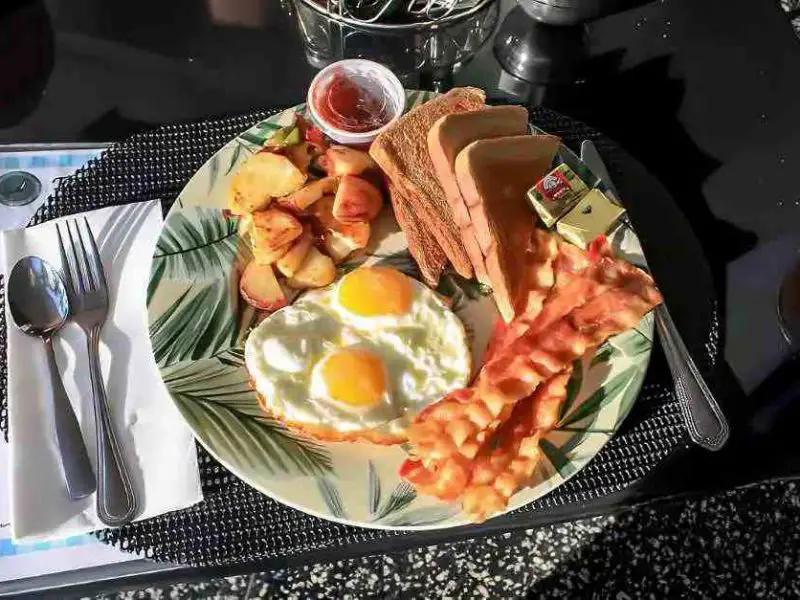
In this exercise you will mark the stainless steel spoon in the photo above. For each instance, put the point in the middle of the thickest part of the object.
(37, 300)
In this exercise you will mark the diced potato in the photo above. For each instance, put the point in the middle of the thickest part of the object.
(266, 174)
(293, 259)
(317, 270)
(337, 246)
(299, 201)
(267, 256)
(273, 228)
(245, 196)
(341, 160)
(356, 200)
(356, 234)
(301, 155)
(260, 288)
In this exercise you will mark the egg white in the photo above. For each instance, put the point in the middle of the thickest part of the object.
(425, 353)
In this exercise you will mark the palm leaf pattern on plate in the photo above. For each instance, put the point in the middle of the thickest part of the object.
(235, 156)
(373, 488)
(604, 354)
(573, 388)
(393, 511)
(599, 398)
(402, 495)
(215, 396)
(196, 244)
(255, 137)
(200, 324)
(258, 445)
(563, 457)
(331, 497)
(424, 515)
(632, 343)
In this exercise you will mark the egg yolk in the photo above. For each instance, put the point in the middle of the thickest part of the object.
(376, 291)
(354, 376)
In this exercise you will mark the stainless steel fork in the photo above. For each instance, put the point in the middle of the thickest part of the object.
(117, 503)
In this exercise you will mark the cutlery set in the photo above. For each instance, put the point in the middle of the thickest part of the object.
(41, 303)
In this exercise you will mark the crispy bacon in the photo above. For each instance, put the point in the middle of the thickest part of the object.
(578, 279)
(519, 367)
(590, 301)
(508, 464)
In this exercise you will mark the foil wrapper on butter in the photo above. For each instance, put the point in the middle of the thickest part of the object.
(593, 215)
(556, 193)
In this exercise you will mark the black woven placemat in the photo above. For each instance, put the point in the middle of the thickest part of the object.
(236, 524)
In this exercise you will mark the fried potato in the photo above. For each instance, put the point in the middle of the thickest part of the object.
(273, 228)
(356, 200)
(355, 234)
(260, 288)
(317, 270)
(266, 174)
(341, 160)
(300, 200)
(267, 256)
(290, 262)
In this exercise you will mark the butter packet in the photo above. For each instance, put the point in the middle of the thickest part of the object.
(556, 193)
(594, 214)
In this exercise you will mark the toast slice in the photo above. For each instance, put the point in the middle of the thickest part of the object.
(493, 176)
(422, 244)
(401, 150)
(451, 134)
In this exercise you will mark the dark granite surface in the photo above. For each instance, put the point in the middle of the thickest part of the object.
(737, 544)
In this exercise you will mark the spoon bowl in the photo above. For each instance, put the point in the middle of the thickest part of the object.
(39, 306)
(37, 297)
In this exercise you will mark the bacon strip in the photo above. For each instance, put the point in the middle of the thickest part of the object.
(503, 468)
(578, 279)
(519, 367)
(449, 434)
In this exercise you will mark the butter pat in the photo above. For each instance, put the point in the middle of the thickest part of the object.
(593, 215)
(556, 193)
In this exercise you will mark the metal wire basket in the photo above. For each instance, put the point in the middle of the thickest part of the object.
(397, 15)
(424, 51)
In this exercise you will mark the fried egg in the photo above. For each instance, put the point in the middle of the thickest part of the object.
(364, 354)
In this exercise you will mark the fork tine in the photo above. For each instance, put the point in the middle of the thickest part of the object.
(93, 257)
(80, 265)
(66, 266)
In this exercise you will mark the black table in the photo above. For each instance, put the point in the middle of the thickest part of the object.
(716, 81)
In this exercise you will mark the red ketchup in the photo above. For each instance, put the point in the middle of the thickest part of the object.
(353, 104)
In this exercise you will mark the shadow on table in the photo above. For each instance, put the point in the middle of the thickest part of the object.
(26, 58)
(612, 101)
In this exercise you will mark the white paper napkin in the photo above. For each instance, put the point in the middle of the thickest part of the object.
(157, 445)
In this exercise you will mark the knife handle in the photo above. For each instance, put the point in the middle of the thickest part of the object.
(704, 419)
